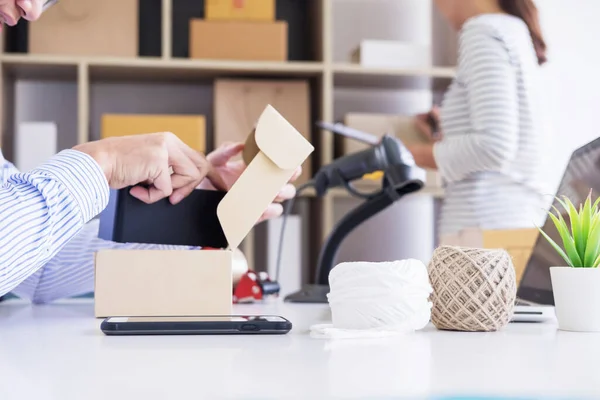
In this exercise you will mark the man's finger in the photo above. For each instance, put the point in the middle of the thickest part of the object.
(286, 193)
(273, 211)
(182, 192)
(216, 179)
(224, 153)
(206, 168)
(297, 174)
(182, 160)
(160, 189)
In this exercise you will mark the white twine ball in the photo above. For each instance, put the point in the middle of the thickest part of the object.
(377, 298)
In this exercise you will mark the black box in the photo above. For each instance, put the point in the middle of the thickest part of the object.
(192, 222)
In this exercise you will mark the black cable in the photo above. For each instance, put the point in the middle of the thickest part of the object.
(287, 210)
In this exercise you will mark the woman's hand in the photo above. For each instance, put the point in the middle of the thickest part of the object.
(424, 123)
(423, 155)
(230, 172)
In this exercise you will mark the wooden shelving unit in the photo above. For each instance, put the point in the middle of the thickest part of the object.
(325, 73)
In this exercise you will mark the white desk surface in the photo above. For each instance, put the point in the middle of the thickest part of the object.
(58, 352)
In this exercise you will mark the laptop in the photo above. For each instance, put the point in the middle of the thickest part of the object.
(535, 299)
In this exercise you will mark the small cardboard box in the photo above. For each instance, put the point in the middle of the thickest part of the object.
(240, 10)
(199, 282)
(239, 40)
(87, 28)
(517, 242)
(191, 129)
(391, 54)
(35, 143)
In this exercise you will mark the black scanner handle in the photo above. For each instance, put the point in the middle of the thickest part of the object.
(385, 155)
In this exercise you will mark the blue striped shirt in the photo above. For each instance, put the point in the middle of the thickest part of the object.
(47, 233)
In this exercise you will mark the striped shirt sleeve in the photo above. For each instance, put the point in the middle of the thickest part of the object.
(68, 269)
(43, 209)
(489, 79)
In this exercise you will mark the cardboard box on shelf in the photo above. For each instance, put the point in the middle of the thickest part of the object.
(401, 126)
(238, 104)
(517, 242)
(199, 282)
(35, 143)
(239, 40)
(191, 129)
(87, 27)
(239, 10)
(392, 54)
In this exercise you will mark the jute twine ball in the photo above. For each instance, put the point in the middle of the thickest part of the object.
(473, 289)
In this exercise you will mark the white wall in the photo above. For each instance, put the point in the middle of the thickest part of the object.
(572, 79)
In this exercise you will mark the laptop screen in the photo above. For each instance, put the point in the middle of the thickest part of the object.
(581, 175)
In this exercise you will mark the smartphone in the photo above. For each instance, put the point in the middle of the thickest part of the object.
(433, 125)
(204, 325)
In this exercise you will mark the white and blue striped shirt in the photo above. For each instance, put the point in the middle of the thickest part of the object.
(47, 235)
(490, 155)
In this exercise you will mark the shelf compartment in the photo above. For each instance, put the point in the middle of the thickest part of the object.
(303, 18)
(40, 100)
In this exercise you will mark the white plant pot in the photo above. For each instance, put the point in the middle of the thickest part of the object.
(576, 298)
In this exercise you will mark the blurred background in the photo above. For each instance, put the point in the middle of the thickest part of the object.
(91, 69)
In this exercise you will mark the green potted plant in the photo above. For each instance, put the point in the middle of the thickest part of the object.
(576, 285)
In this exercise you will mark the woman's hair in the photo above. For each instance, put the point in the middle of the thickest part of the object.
(527, 11)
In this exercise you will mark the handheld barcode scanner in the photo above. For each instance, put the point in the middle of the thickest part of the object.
(387, 155)
(401, 176)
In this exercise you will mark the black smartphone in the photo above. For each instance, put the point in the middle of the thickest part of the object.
(204, 325)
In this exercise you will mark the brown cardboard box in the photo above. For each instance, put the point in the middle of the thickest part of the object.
(191, 129)
(199, 282)
(238, 104)
(87, 27)
(239, 40)
(517, 242)
(379, 124)
(240, 10)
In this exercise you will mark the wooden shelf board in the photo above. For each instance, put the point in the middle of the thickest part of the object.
(24, 67)
(158, 68)
(186, 69)
(354, 75)
(357, 69)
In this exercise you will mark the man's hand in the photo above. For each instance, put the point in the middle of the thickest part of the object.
(161, 161)
(230, 172)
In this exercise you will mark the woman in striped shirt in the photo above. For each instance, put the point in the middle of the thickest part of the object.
(488, 151)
